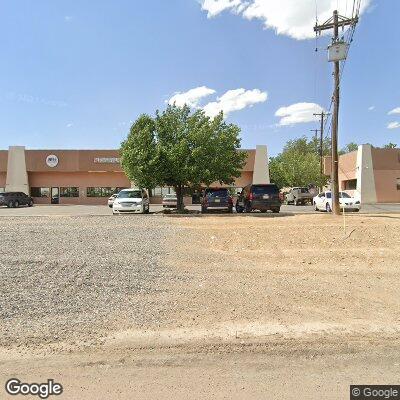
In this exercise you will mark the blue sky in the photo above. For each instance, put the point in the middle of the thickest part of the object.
(75, 73)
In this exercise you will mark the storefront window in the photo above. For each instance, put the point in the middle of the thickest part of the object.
(40, 192)
(69, 192)
(350, 184)
(102, 191)
(2, 190)
(162, 191)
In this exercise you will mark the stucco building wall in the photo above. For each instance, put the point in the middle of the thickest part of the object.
(85, 169)
(376, 170)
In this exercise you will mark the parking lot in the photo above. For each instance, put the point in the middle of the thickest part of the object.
(199, 306)
(43, 210)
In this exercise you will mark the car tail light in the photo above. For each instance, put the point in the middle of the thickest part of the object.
(251, 196)
(281, 197)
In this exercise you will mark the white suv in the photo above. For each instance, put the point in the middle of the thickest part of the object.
(131, 201)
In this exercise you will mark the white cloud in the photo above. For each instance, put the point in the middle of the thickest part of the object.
(235, 100)
(394, 111)
(191, 97)
(298, 113)
(67, 18)
(70, 125)
(393, 125)
(371, 108)
(215, 7)
(294, 18)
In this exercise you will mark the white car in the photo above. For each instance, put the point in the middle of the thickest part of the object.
(170, 201)
(111, 199)
(323, 202)
(131, 201)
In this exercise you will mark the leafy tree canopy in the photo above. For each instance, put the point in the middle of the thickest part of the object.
(390, 146)
(299, 163)
(349, 148)
(181, 148)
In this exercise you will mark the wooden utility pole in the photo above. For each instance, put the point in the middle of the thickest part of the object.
(334, 23)
(316, 138)
(321, 140)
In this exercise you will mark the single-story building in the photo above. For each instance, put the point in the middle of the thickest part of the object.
(90, 176)
(370, 174)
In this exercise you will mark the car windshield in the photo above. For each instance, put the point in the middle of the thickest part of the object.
(328, 195)
(217, 193)
(131, 194)
(344, 195)
(266, 189)
(303, 190)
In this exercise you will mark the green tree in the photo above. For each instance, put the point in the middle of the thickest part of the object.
(299, 163)
(349, 148)
(182, 149)
(390, 146)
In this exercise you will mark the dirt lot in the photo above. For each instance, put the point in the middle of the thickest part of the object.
(241, 307)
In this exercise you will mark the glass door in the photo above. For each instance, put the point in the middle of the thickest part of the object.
(55, 195)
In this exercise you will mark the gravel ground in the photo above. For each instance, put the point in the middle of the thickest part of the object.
(240, 307)
(74, 278)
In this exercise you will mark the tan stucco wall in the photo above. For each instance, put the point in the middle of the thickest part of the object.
(347, 166)
(386, 171)
(386, 189)
(3, 176)
(261, 167)
(77, 179)
(71, 160)
(86, 179)
(3, 160)
(17, 177)
(76, 168)
(249, 164)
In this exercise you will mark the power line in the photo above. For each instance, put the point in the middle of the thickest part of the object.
(351, 32)
(335, 23)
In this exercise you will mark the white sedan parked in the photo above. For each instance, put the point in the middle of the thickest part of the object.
(131, 201)
(323, 202)
(111, 199)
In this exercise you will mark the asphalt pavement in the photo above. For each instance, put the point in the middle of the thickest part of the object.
(77, 210)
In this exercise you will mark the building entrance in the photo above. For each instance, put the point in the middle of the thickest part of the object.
(55, 195)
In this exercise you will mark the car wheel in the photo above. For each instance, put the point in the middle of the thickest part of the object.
(276, 210)
(16, 204)
(147, 209)
(110, 205)
(328, 207)
(316, 207)
(30, 204)
(295, 203)
(239, 209)
(10, 204)
(247, 208)
(230, 210)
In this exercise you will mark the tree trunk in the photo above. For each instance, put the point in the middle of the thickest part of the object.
(179, 196)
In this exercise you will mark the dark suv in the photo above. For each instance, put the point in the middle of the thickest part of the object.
(218, 199)
(15, 199)
(259, 197)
